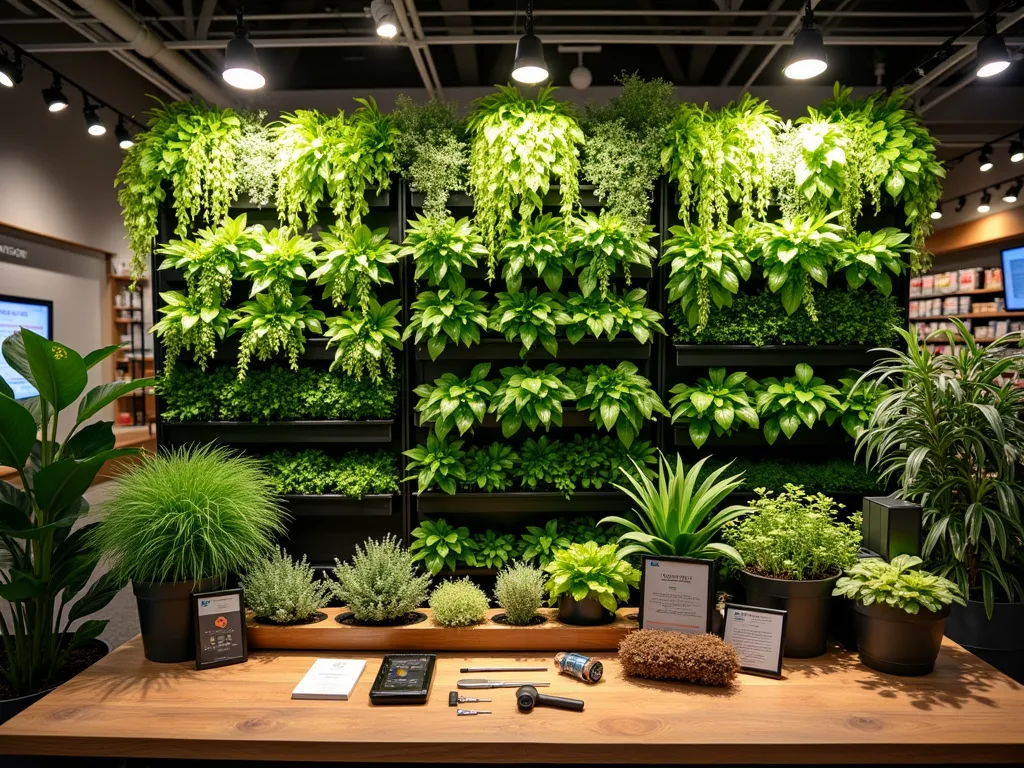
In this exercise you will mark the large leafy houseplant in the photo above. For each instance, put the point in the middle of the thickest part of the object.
(364, 341)
(588, 571)
(799, 399)
(271, 324)
(44, 566)
(611, 316)
(528, 317)
(601, 244)
(618, 399)
(190, 324)
(718, 402)
(534, 245)
(456, 403)
(950, 432)
(456, 313)
(531, 398)
(351, 261)
(440, 248)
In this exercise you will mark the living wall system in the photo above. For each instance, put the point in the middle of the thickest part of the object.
(504, 310)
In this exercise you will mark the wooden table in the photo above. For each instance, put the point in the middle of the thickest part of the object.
(830, 709)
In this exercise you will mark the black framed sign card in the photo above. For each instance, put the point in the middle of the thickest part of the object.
(677, 594)
(759, 637)
(219, 619)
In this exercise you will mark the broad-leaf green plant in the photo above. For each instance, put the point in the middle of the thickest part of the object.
(440, 248)
(440, 546)
(543, 542)
(528, 317)
(619, 399)
(210, 262)
(489, 469)
(455, 313)
(364, 341)
(799, 399)
(898, 584)
(278, 260)
(871, 256)
(859, 399)
(493, 550)
(189, 324)
(716, 403)
(351, 261)
(584, 571)
(456, 403)
(275, 324)
(439, 462)
(537, 246)
(529, 397)
(602, 243)
(611, 316)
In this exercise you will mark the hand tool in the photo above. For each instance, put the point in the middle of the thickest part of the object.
(461, 712)
(504, 669)
(473, 683)
(527, 698)
(454, 699)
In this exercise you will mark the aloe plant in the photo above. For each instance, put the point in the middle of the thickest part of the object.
(718, 402)
(351, 261)
(456, 313)
(795, 400)
(456, 403)
(363, 341)
(529, 317)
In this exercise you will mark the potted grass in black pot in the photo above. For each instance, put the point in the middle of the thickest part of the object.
(795, 550)
(179, 523)
(588, 581)
(900, 613)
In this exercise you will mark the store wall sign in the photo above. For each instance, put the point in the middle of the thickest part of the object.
(14, 251)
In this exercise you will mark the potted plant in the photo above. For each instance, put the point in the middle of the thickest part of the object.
(519, 592)
(381, 585)
(795, 550)
(950, 433)
(44, 566)
(893, 634)
(179, 523)
(587, 582)
(280, 590)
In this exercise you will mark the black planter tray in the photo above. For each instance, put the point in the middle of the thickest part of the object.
(337, 505)
(820, 435)
(586, 349)
(851, 500)
(748, 355)
(376, 431)
(316, 349)
(552, 199)
(570, 418)
(636, 271)
(523, 502)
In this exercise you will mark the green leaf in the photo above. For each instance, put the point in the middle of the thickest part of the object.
(59, 372)
(17, 433)
(103, 590)
(59, 484)
(22, 586)
(99, 355)
(100, 397)
(90, 440)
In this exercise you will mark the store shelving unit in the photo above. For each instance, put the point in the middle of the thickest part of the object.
(135, 360)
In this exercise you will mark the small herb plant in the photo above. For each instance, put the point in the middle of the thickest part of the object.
(528, 397)
(542, 542)
(600, 244)
(611, 315)
(582, 571)
(278, 259)
(528, 317)
(718, 402)
(256, 177)
(454, 403)
(189, 324)
(439, 462)
(458, 603)
(363, 341)
(273, 324)
(897, 584)
(282, 590)
(440, 248)
(534, 245)
(794, 535)
(351, 261)
(354, 474)
(440, 546)
(519, 591)
(455, 313)
(381, 583)
(871, 256)
(618, 399)
(489, 469)
(431, 150)
(492, 550)
(801, 399)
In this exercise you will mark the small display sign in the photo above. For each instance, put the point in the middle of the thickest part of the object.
(677, 594)
(219, 619)
(759, 637)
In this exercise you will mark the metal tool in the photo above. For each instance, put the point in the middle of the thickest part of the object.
(527, 698)
(454, 699)
(461, 712)
(473, 683)
(504, 669)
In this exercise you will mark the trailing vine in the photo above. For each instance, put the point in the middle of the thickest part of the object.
(351, 262)
(275, 323)
(256, 176)
(601, 244)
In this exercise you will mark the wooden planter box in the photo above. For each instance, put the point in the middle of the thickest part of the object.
(551, 636)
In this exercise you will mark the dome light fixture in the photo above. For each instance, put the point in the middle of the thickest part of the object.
(11, 69)
(54, 96)
(993, 57)
(807, 54)
(986, 202)
(124, 137)
(241, 64)
(1013, 192)
(985, 159)
(384, 18)
(1017, 149)
(937, 213)
(93, 123)
(529, 66)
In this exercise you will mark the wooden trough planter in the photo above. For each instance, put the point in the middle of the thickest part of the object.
(552, 635)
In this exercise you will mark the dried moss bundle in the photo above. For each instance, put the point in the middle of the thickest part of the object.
(703, 659)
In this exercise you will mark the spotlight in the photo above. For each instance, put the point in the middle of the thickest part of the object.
(961, 203)
(241, 64)
(1016, 150)
(807, 54)
(93, 123)
(54, 96)
(986, 202)
(384, 18)
(11, 70)
(1013, 192)
(992, 55)
(937, 213)
(985, 159)
(124, 138)
(529, 66)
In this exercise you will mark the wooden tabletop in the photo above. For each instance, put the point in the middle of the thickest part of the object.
(830, 709)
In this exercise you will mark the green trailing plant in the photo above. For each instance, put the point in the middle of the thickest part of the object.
(720, 156)
(871, 256)
(281, 590)
(519, 592)
(543, 543)
(274, 324)
(528, 317)
(799, 399)
(456, 403)
(45, 565)
(794, 535)
(518, 148)
(950, 433)
(190, 325)
(618, 398)
(601, 244)
(676, 516)
(431, 150)
(193, 147)
(278, 260)
(492, 550)
(540, 465)
(898, 585)
(351, 261)
(381, 583)
(611, 315)
(255, 150)
(489, 469)
(441, 247)
(440, 546)
(531, 398)
(624, 139)
(458, 603)
(209, 262)
(859, 399)
(795, 254)
(716, 403)
(706, 267)
(455, 313)
(534, 245)
(582, 571)
(439, 462)
(189, 514)
(363, 341)
(353, 474)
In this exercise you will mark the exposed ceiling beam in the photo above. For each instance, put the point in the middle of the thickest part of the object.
(466, 63)
(190, 19)
(701, 57)
(205, 19)
(667, 53)
(410, 41)
(741, 56)
(428, 57)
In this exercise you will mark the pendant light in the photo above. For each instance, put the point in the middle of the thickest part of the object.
(93, 123)
(54, 96)
(384, 19)
(124, 138)
(992, 55)
(241, 64)
(1013, 192)
(937, 213)
(986, 202)
(529, 66)
(1017, 149)
(985, 159)
(807, 54)
(11, 69)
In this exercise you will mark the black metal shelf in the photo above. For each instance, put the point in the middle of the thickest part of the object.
(522, 502)
(499, 349)
(552, 199)
(571, 417)
(316, 350)
(748, 355)
(820, 435)
(231, 432)
(337, 505)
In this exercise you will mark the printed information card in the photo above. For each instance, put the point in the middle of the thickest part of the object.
(677, 594)
(758, 635)
(220, 628)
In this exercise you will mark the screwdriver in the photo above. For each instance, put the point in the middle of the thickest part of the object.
(461, 712)
(454, 699)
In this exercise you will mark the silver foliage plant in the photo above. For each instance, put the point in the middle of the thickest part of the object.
(519, 591)
(282, 590)
(381, 582)
(256, 153)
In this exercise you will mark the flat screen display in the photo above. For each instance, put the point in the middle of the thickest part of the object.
(15, 314)
(1013, 278)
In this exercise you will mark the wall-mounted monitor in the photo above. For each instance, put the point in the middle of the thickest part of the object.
(1013, 278)
(17, 313)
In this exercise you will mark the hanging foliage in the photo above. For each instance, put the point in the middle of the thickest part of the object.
(211, 261)
(274, 323)
(519, 148)
(256, 177)
(351, 262)
(602, 244)
(535, 246)
(363, 338)
(276, 261)
(440, 248)
(190, 324)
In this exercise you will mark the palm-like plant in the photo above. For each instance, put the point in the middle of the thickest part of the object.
(529, 317)
(352, 261)
(456, 313)
(273, 324)
(717, 403)
(676, 515)
(600, 244)
(950, 432)
(536, 245)
(363, 340)
(278, 259)
(440, 248)
(871, 256)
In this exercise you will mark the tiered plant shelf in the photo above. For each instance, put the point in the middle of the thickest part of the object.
(748, 355)
(551, 503)
(338, 505)
(821, 434)
(586, 349)
(375, 431)
(571, 417)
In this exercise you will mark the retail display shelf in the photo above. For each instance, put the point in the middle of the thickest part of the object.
(969, 316)
(974, 292)
(522, 502)
(499, 349)
(272, 432)
(338, 505)
(748, 355)
(821, 434)
(571, 417)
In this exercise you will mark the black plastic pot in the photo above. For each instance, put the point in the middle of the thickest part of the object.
(583, 613)
(807, 603)
(165, 615)
(896, 642)
(999, 641)
(11, 707)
